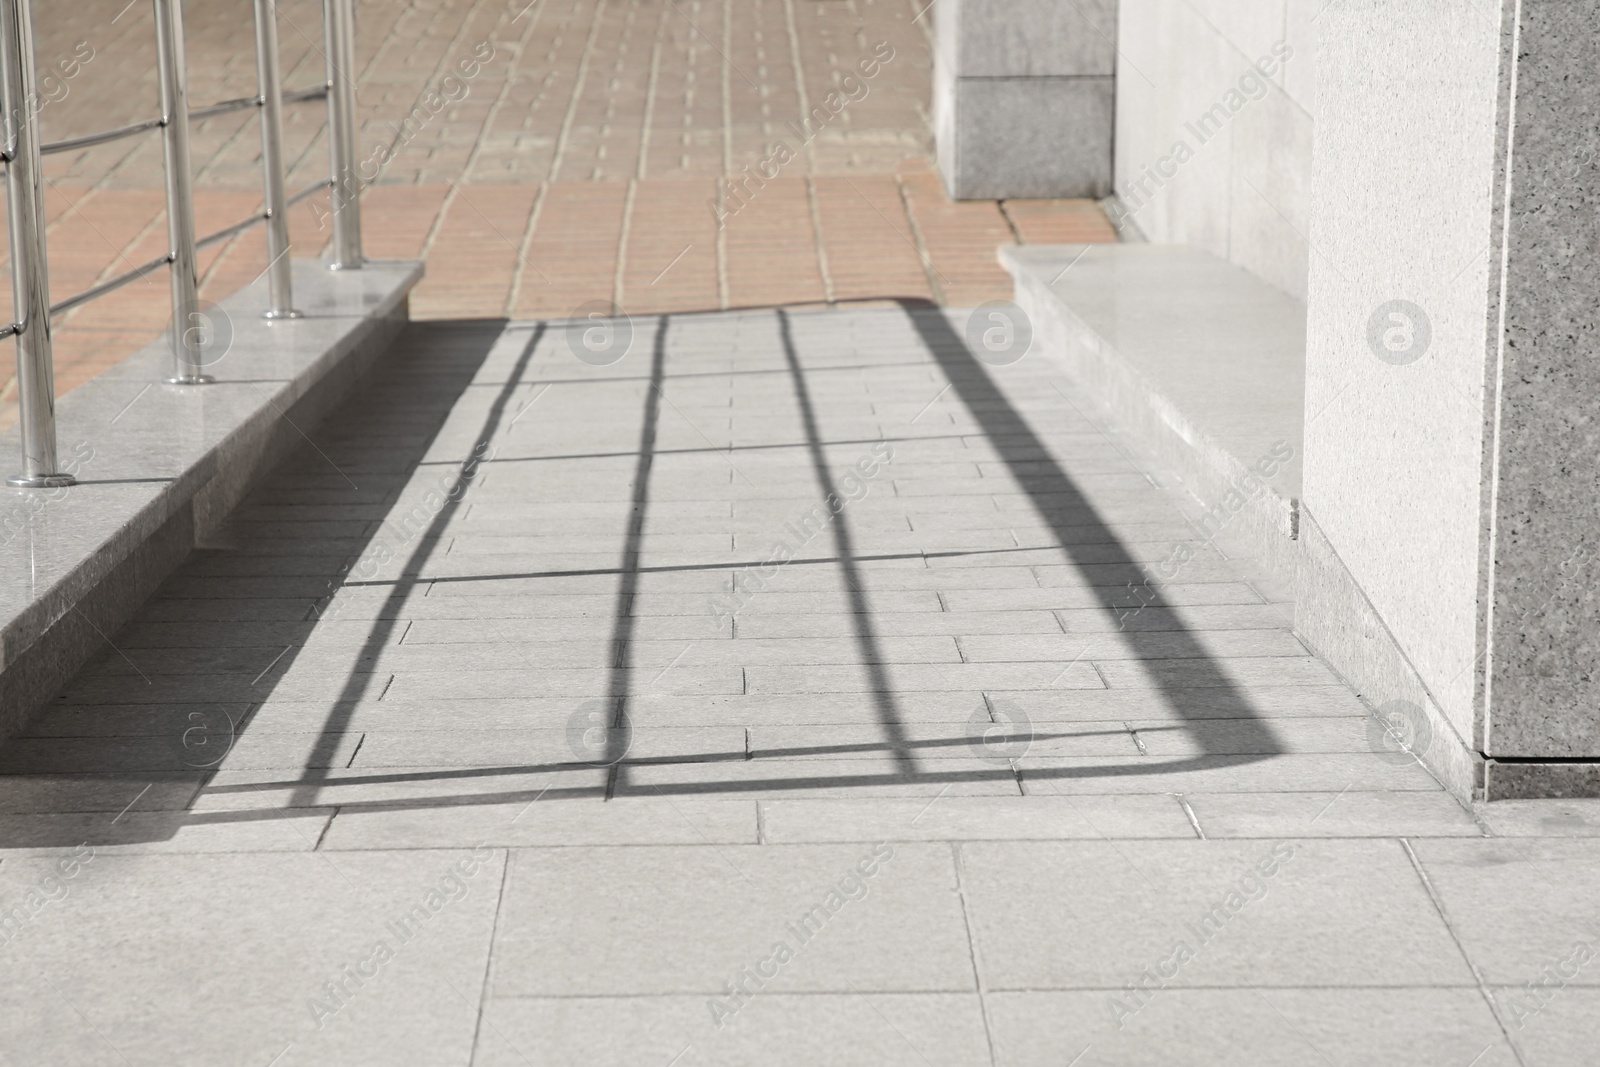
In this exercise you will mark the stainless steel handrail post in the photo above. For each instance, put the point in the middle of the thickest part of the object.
(188, 326)
(339, 31)
(30, 272)
(273, 197)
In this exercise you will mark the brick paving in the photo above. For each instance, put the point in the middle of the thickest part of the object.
(579, 152)
(791, 688)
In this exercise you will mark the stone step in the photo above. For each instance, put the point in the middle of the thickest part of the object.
(1202, 364)
(160, 466)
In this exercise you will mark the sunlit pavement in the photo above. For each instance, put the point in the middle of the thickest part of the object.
(783, 687)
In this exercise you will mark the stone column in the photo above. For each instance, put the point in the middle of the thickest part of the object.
(1022, 97)
(1451, 516)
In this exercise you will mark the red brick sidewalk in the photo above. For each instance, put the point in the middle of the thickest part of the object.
(543, 158)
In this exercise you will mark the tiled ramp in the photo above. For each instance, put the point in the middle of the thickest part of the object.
(583, 685)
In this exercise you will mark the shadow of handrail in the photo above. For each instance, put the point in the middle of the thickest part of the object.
(1054, 496)
(1057, 500)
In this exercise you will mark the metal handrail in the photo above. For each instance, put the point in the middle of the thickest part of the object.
(313, 92)
(316, 92)
(229, 231)
(63, 306)
(22, 152)
(213, 110)
(94, 291)
(310, 190)
(89, 140)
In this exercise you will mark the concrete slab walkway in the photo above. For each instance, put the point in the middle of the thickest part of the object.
(779, 687)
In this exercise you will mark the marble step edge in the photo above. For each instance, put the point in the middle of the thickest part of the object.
(1264, 517)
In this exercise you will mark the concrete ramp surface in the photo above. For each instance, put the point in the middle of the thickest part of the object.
(791, 687)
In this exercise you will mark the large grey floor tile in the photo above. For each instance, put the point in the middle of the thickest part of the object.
(533, 714)
(355, 790)
(1073, 915)
(1542, 818)
(599, 682)
(963, 818)
(1200, 617)
(1187, 703)
(917, 678)
(1264, 735)
(1234, 671)
(798, 709)
(1519, 905)
(974, 737)
(1309, 772)
(97, 792)
(686, 919)
(1555, 1027)
(945, 622)
(1265, 1028)
(1351, 813)
(216, 959)
(139, 720)
(773, 1027)
(333, 632)
(1158, 644)
(255, 662)
(773, 601)
(297, 830)
(546, 821)
(711, 647)
(213, 688)
(163, 609)
(457, 745)
(447, 631)
(176, 753)
(883, 777)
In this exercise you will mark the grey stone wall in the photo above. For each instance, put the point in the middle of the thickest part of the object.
(1213, 128)
(1023, 93)
(1394, 431)
(1452, 375)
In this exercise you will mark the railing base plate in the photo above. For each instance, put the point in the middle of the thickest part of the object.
(41, 481)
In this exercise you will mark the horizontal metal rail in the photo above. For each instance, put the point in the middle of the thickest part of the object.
(89, 140)
(310, 190)
(140, 271)
(228, 231)
(260, 216)
(222, 108)
(315, 92)
(107, 286)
